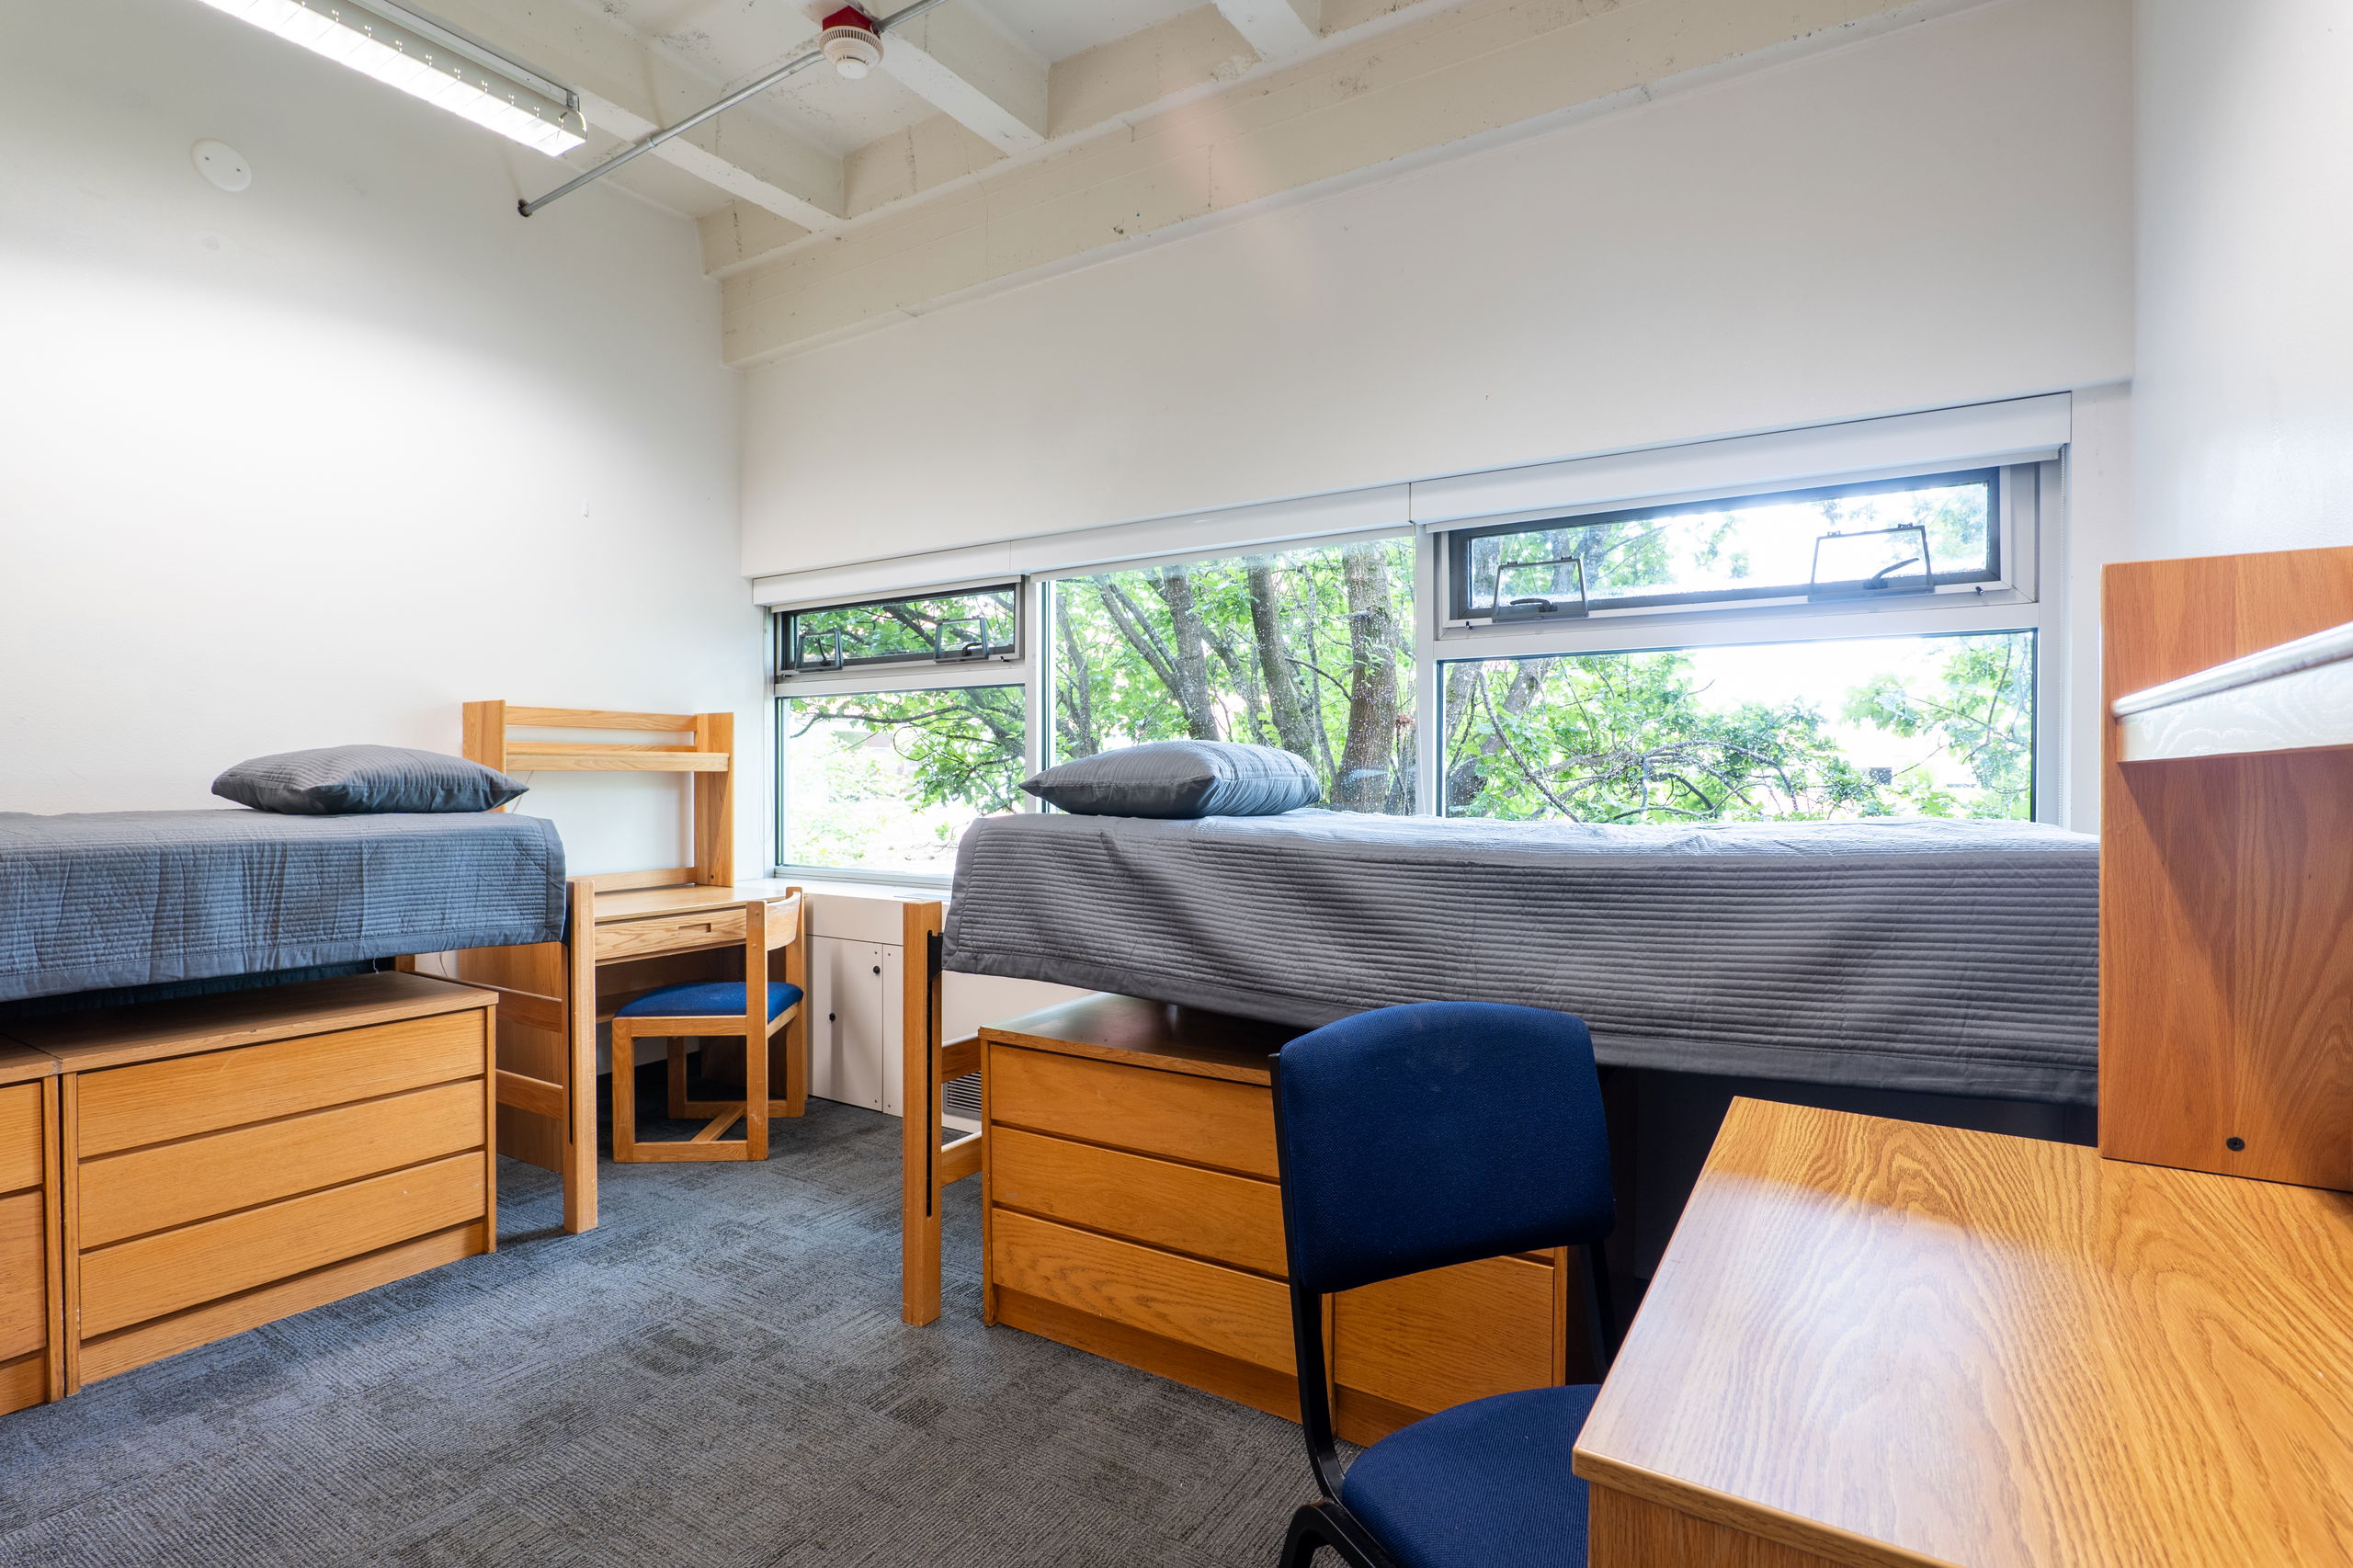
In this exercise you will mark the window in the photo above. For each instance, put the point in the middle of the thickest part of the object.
(1856, 727)
(886, 781)
(956, 628)
(1800, 652)
(1311, 650)
(1882, 539)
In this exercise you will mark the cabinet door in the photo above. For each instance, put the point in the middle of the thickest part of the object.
(847, 1026)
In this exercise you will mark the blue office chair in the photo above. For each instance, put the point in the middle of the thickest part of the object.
(1412, 1138)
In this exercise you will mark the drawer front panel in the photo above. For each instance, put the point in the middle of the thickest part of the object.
(172, 1184)
(135, 1280)
(24, 1276)
(125, 1108)
(1432, 1340)
(1207, 1121)
(1209, 1214)
(669, 932)
(19, 1137)
(23, 1383)
(1222, 1310)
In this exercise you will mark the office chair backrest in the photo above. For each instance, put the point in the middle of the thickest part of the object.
(1434, 1133)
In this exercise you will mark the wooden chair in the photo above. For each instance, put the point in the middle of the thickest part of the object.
(754, 1010)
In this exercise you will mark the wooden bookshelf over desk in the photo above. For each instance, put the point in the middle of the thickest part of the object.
(2226, 866)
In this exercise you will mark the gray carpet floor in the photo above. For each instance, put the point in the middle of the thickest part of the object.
(716, 1376)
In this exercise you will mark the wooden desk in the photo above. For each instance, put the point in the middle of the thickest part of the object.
(1132, 1210)
(1879, 1343)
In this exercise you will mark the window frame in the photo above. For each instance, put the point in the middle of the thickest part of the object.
(1459, 542)
(785, 621)
(2028, 594)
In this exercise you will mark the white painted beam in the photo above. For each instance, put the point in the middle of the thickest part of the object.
(628, 87)
(1276, 29)
(959, 62)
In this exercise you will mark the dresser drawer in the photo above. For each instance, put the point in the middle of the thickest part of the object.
(125, 1108)
(1208, 1122)
(21, 1136)
(668, 933)
(172, 1184)
(1430, 1341)
(132, 1281)
(1183, 1209)
(24, 1275)
(1223, 1310)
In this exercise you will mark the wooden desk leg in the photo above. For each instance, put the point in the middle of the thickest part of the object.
(1626, 1531)
(579, 1075)
(919, 1110)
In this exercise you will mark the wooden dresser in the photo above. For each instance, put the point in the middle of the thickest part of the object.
(1884, 1344)
(226, 1161)
(32, 1340)
(1132, 1210)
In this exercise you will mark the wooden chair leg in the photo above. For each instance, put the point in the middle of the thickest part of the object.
(677, 1054)
(756, 1095)
(624, 1094)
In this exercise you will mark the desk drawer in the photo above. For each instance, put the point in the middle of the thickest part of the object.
(132, 1281)
(1206, 1214)
(1208, 1122)
(668, 933)
(125, 1108)
(24, 1278)
(1223, 1310)
(21, 1136)
(172, 1184)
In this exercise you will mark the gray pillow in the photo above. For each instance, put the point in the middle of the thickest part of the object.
(1180, 778)
(349, 780)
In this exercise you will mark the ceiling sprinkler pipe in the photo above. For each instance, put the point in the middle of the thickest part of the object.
(799, 62)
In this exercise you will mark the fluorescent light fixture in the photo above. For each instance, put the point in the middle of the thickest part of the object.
(428, 60)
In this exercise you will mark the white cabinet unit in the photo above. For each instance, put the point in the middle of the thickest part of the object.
(854, 1022)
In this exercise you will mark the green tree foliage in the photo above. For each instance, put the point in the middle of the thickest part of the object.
(1982, 713)
(1309, 650)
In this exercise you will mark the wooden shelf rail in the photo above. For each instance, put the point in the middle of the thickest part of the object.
(2297, 695)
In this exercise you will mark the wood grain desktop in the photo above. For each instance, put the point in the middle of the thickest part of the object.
(1883, 1344)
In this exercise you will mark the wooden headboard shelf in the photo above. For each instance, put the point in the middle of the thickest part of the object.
(2226, 866)
(707, 750)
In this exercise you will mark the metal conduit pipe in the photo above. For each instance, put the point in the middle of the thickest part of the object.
(652, 140)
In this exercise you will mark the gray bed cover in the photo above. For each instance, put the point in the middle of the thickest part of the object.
(102, 899)
(1953, 957)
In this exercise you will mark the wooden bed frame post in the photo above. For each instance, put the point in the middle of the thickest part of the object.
(928, 1167)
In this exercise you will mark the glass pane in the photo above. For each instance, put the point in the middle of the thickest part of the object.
(888, 781)
(1896, 726)
(1758, 547)
(974, 625)
(1309, 650)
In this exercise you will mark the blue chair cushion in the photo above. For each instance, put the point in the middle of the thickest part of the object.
(712, 999)
(1483, 1485)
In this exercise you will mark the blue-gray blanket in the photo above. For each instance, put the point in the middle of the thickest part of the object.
(1956, 957)
(103, 899)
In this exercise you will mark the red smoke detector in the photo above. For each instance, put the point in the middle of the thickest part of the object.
(850, 42)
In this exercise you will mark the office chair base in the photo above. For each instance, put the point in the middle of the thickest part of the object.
(1318, 1524)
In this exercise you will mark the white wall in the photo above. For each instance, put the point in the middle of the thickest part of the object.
(1938, 215)
(2243, 400)
(314, 463)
